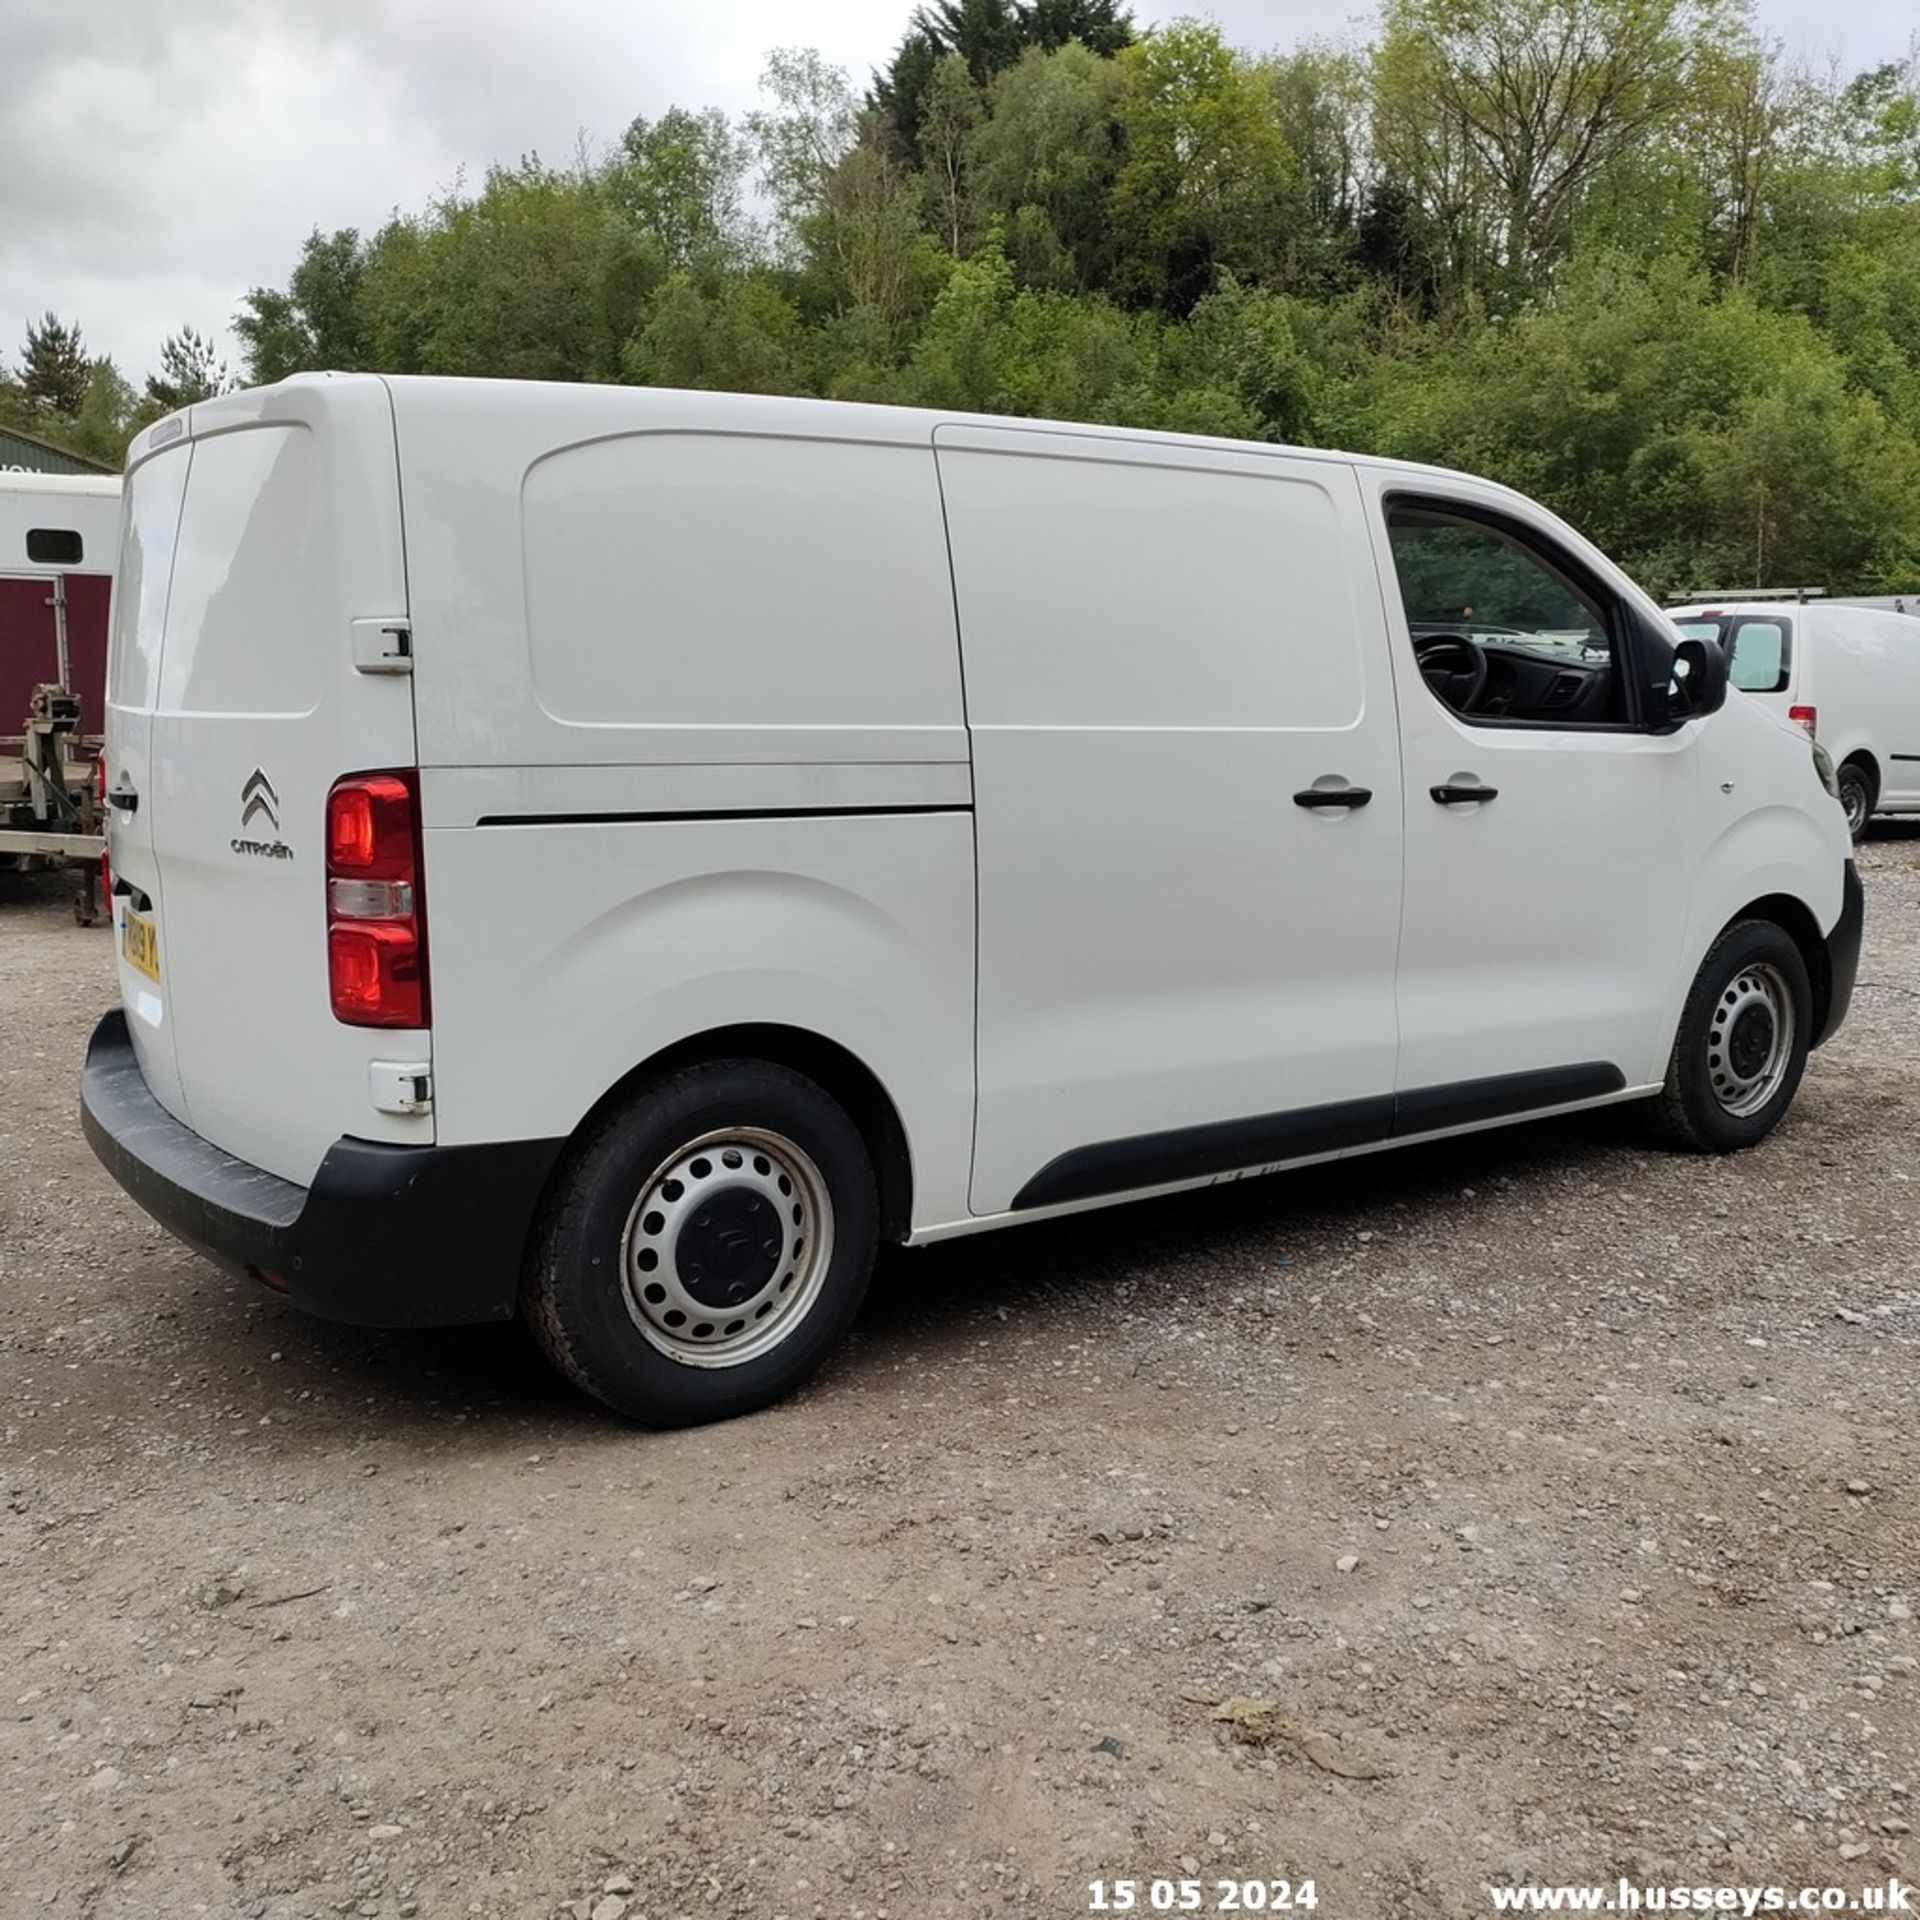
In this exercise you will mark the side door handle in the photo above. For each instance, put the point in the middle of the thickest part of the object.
(123, 797)
(1348, 797)
(1452, 792)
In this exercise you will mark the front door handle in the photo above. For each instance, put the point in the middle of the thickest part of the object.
(1348, 797)
(1452, 792)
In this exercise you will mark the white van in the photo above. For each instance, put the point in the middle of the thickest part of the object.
(621, 855)
(1849, 675)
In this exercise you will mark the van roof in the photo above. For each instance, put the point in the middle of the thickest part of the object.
(589, 409)
(1828, 612)
(92, 485)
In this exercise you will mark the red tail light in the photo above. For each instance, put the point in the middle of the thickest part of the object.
(100, 808)
(376, 917)
(1808, 717)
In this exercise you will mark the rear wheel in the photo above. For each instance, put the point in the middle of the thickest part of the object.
(1742, 1044)
(706, 1245)
(1858, 793)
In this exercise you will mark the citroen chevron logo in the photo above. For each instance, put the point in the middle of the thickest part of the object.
(258, 797)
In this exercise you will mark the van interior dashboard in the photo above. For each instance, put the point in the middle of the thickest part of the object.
(1500, 676)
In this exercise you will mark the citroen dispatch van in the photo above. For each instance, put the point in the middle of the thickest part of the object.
(620, 856)
(1849, 675)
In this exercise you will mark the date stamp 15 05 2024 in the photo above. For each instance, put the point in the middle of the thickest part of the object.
(1234, 1895)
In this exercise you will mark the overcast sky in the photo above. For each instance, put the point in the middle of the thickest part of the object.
(159, 157)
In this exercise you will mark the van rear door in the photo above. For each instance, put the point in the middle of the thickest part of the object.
(288, 558)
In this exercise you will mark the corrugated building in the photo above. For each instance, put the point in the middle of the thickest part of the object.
(27, 453)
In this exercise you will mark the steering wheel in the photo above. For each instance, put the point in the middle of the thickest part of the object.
(1454, 667)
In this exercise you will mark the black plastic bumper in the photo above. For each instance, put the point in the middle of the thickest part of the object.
(385, 1237)
(1843, 955)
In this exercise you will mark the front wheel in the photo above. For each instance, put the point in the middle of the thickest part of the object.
(1742, 1044)
(705, 1245)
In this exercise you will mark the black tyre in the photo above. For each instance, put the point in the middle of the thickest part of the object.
(705, 1246)
(1742, 1044)
(1859, 793)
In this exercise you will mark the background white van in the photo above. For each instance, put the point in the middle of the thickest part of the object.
(1849, 675)
(623, 854)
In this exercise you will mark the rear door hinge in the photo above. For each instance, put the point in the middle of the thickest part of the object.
(383, 646)
(401, 1086)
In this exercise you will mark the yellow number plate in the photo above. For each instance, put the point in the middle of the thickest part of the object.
(141, 944)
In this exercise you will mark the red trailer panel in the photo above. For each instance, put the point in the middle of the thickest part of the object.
(29, 653)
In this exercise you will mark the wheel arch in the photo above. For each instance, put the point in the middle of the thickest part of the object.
(1869, 763)
(834, 1068)
(1795, 919)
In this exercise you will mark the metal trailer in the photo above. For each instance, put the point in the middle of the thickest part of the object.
(58, 535)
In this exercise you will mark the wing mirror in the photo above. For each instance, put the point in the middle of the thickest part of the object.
(1696, 685)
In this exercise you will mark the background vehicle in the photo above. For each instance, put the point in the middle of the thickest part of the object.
(1849, 675)
(700, 836)
(58, 535)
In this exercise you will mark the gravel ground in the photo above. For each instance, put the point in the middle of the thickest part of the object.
(1559, 1495)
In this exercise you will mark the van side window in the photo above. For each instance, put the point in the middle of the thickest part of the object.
(1502, 633)
(1759, 655)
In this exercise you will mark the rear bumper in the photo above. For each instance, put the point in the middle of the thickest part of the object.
(1843, 954)
(385, 1237)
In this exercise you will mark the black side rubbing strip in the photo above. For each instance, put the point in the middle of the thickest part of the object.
(1227, 1146)
(1191, 1153)
(1429, 1109)
(711, 813)
(1908, 757)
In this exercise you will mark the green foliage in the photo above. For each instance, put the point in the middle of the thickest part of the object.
(1699, 438)
(317, 323)
(682, 179)
(1043, 163)
(108, 418)
(987, 37)
(1208, 182)
(541, 276)
(744, 337)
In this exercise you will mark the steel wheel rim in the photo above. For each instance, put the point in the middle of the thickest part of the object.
(1853, 796)
(726, 1247)
(1750, 1039)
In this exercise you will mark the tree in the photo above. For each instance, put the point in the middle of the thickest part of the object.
(190, 370)
(951, 113)
(1530, 100)
(803, 135)
(542, 275)
(744, 339)
(54, 369)
(682, 177)
(317, 324)
(1319, 104)
(989, 36)
(107, 417)
(864, 243)
(1208, 180)
(1043, 162)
